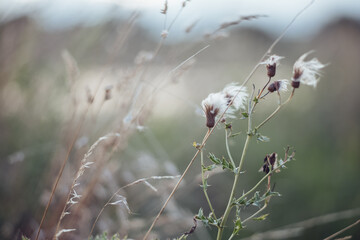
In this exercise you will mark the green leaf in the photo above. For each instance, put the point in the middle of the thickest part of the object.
(262, 138)
(214, 159)
(261, 218)
(238, 226)
(208, 168)
(245, 114)
(235, 134)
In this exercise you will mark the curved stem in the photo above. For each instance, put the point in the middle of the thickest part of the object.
(276, 110)
(204, 185)
(228, 149)
(256, 213)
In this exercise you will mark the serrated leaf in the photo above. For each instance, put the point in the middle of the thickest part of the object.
(214, 159)
(262, 138)
(200, 214)
(238, 226)
(261, 218)
(208, 168)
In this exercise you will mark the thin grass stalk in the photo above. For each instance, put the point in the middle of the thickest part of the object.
(78, 129)
(77, 175)
(126, 186)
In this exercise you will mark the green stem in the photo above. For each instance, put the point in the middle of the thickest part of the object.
(228, 207)
(228, 149)
(256, 213)
(276, 110)
(203, 184)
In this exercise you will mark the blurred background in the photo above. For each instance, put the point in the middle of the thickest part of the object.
(73, 71)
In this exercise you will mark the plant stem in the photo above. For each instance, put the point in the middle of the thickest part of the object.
(205, 185)
(228, 149)
(343, 230)
(178, 183)
(256, 213)
(276, 110)
(228, 207)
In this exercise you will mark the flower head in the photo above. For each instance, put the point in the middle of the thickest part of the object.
(231, 99)
(214, 104)
(232, 90)
(279, 85)
(269, 163)
(306, 72)
(271, 63)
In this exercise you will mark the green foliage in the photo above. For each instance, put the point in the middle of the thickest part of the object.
(261, 218)
(104, 236)
(256, 200)
(259, 137)
(207, 220)
(222, 162)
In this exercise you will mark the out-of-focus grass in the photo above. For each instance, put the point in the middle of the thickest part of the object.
(321, 124)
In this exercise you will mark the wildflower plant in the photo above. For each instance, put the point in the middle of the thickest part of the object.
(220, 106)
(305, 72)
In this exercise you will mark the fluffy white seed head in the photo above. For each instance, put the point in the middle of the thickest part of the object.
(273, 59)
(214, 104)
(307, 72)
(217, 103)
(232, 90)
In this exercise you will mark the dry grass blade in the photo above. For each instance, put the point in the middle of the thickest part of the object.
(343, 230)
(142, 180)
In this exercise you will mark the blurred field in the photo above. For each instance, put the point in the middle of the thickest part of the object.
(47, 80)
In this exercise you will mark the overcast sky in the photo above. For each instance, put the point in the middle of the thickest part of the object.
(58, 14)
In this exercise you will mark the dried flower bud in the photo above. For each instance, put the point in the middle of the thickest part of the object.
(212, 105)
(270, 160)
(280, 85)
(295, 84)
(271, 63)
(306, 72)
(271, 70)
(232, 98)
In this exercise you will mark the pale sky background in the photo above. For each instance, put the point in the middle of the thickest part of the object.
(60, 14)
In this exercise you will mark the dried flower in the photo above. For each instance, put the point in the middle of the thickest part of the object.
(214, 104)
(217, 103)
(270, 160)
(308, 72)
(232, 90)
(271, 63)
(280, 85)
